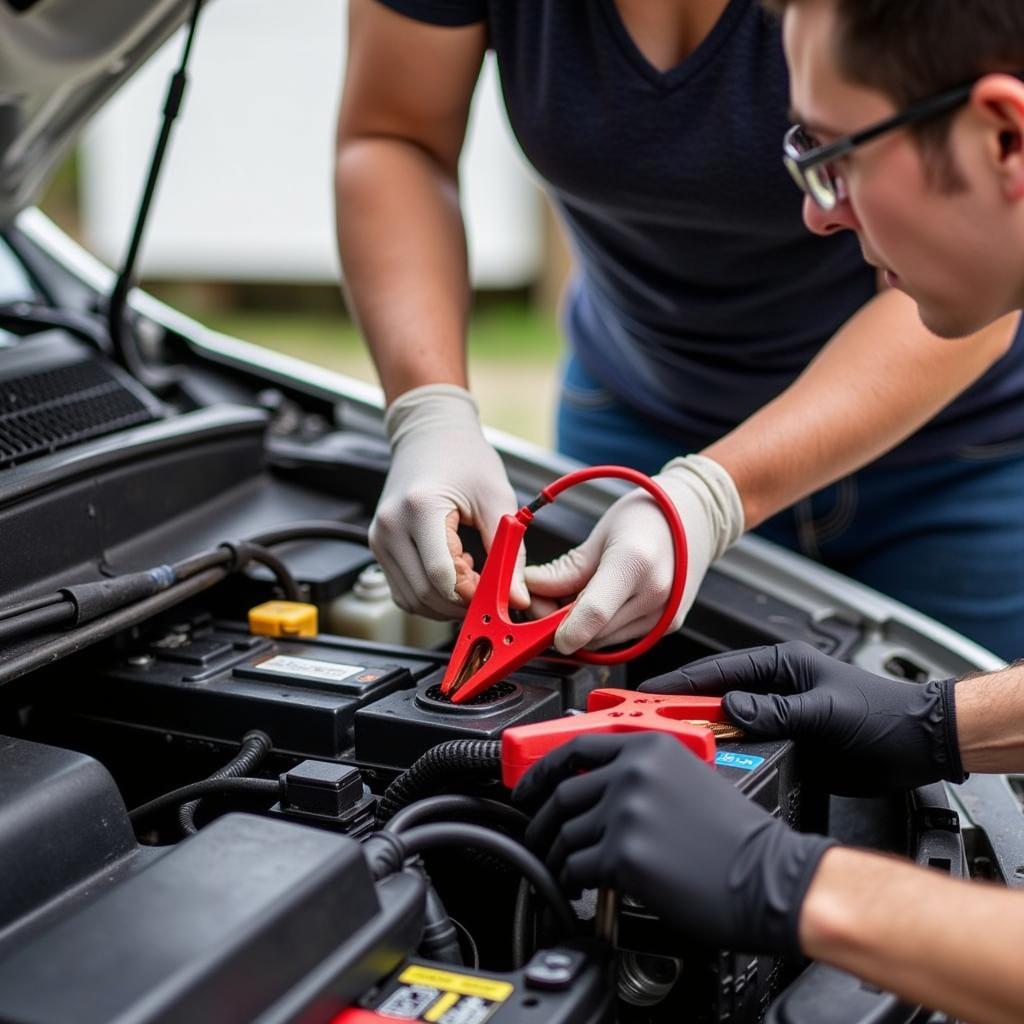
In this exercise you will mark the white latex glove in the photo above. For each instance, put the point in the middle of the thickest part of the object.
(443, 472)
(623, 570)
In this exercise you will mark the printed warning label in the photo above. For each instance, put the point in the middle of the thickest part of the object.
(464, 984)
(409, 1002)
(308, 668)
(442, 997)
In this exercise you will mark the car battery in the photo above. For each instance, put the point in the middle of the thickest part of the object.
(217, 683)
(558, 986)
(685, 980)
(397, 729)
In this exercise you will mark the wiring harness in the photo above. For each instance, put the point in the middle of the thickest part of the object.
(88, 612)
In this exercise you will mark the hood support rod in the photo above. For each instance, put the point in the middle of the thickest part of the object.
(121, 335)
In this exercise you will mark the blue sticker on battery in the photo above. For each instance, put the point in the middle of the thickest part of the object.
(744, 762)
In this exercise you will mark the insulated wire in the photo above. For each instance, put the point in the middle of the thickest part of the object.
(249, 787)
(74, 640)
(312, 529)
(38, 619)
(14, 610)
(434, 836)
(255, 746)
(459, 804)
(289, 585)
(195, 574)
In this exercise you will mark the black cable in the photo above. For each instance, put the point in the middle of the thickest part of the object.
(452, 763)
(36, 620)
(439, 940)
(195, 564)
(14, 610)
(522, 925)
(313, 529)
(433, 837)
(458, 805)
(247, 787)
(255, 747)
(285, 580)
(207, 568)
(42, 654)
(121, 338)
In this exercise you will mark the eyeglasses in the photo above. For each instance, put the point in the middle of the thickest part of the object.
(812, 165)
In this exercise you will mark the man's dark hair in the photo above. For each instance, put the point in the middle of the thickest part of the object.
(911, 49)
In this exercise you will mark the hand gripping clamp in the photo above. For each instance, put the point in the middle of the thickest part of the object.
(690, 720)
(490, 645)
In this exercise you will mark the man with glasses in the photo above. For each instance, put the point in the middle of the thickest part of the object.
(911, 135)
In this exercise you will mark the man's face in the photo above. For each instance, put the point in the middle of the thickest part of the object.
(959, 254)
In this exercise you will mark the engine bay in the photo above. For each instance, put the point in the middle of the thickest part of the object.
(281, 779)
(231, 789)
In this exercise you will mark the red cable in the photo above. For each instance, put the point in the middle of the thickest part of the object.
(675, 525)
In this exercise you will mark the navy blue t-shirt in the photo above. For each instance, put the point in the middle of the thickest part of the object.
(699, 294)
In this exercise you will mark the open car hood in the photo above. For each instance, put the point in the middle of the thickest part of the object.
(59, 62)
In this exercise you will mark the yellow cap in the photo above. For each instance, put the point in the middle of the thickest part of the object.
(283, 618)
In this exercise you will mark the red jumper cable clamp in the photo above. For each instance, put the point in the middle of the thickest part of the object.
(691, 720)
(490, 645)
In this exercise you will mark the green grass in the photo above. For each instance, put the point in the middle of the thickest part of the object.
(498, 331)
(513, 355)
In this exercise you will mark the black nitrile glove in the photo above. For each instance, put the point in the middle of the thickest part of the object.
(864, 734)
(649, 819)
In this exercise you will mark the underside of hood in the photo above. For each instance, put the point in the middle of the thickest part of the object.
(59, 62)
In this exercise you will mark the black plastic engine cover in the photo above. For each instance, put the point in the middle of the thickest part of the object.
(221, 928)
(62, 822)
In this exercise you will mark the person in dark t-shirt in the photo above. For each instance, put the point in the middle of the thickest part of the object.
(910, 136)
(706, 327)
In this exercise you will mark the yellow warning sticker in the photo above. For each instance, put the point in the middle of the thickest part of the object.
(460, 984)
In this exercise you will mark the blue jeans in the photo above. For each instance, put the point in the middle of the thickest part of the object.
(945, 537)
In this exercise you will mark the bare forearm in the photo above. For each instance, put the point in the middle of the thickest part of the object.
(879, 379)
(990, 721)
(951, 946)
(403, 252)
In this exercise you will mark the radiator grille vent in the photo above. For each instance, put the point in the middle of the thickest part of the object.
(42, 412)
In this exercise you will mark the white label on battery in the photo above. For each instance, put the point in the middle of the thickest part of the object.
(409, 1002)
(330, 671)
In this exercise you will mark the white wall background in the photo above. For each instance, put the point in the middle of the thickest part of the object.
(246, 190)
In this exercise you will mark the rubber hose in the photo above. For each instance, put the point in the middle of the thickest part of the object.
(255, 747)
(451, 763)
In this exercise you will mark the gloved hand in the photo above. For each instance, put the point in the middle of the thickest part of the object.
(623, 570)
(864, 734)
(649, 819)
(443, 472)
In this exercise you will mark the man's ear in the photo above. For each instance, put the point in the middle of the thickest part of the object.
(999, 101)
